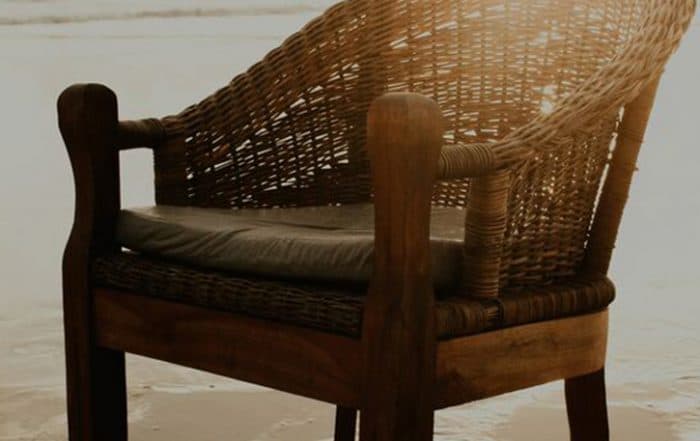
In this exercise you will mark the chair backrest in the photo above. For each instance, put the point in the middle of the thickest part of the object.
(291, 130)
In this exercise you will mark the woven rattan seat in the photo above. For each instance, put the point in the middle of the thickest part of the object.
(338, 308)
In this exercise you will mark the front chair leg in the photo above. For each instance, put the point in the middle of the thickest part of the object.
(96, 386)
(97, 396)
(587, 408)
(404, 139)
(345, 424)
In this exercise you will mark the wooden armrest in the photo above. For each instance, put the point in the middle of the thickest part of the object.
(466, 161)
(140, 133)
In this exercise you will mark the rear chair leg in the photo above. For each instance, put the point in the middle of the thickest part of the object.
(587, 408)
(345, 424)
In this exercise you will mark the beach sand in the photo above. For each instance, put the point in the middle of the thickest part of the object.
(202, 416)
(159, 66)
(266, 415)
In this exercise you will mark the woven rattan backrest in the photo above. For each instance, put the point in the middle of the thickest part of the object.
(291, 130)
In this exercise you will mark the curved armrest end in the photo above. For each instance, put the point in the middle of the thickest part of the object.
(404, 139)
(87, 113)
(87, 118)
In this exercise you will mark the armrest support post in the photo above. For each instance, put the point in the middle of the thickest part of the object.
(96, 388)
(404, 137)
(484, 231)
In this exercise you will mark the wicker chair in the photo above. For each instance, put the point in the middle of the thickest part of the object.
(508, 113)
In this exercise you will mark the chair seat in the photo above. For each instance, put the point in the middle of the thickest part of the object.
(338, 307)
(332, 243)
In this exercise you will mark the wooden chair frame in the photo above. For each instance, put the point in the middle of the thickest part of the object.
(398, 373)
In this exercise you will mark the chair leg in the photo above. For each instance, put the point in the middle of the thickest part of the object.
(404, 430)
(345, 424)
(587, 408)
(96, 392)
(378, 426)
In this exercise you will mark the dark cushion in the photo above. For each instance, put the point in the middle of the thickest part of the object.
(310, 243)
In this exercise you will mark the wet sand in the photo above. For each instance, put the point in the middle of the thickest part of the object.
(36, 414)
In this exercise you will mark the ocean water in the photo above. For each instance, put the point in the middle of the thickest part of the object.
(162, 55)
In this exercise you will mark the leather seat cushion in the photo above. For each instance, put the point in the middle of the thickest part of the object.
(333, 243)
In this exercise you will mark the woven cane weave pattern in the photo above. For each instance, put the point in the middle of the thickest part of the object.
(338, 309)
(535, 86)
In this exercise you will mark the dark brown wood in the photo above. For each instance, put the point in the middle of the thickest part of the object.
(140, 133)
(95, 378)
(493, 363)
(586, 407)
(301, 361)
(345, 424)
(618, 181)
(404, 138)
